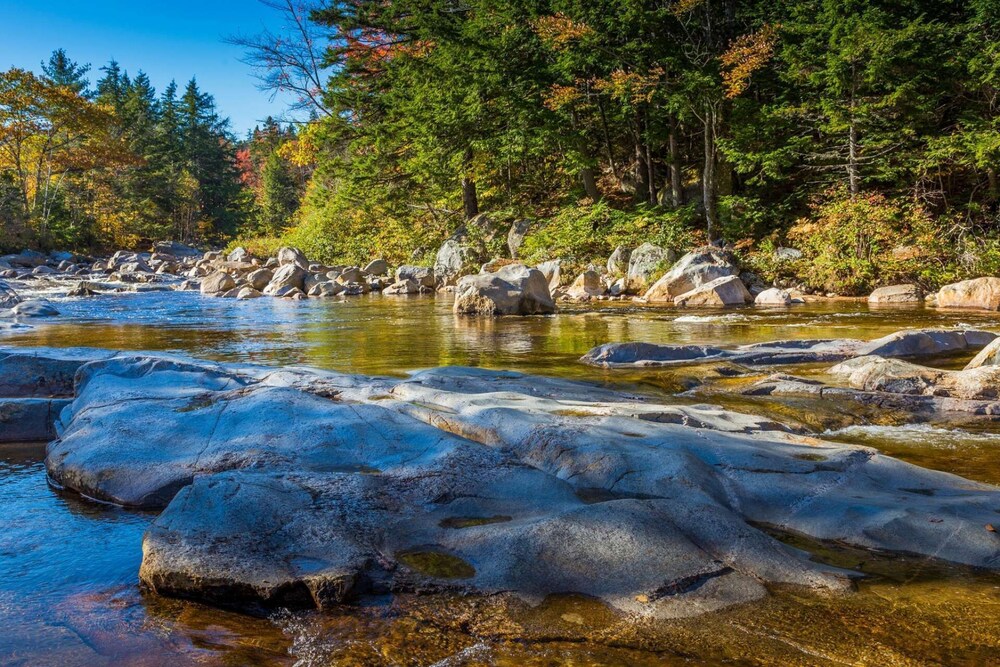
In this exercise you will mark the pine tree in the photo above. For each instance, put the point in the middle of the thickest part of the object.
(62, 71)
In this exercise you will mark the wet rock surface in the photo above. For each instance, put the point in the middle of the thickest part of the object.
(305, 488)
(902, 344)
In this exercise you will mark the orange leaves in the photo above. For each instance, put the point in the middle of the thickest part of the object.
(746, 55)
(684, 6)
(634, 87)
(560, 96)
(558, 30)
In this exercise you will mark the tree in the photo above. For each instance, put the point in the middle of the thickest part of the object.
(61, 71)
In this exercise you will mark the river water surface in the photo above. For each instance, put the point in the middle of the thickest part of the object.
(69, 591)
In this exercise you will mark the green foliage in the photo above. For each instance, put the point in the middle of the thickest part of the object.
(589, 233)
(851, 245)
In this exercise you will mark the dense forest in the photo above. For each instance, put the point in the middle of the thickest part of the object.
(863, 133)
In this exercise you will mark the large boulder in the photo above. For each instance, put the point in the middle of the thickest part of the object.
(217, 283)
(454, 259)
(981, 293)
(377, 267)
(878, 374)
(643, 264)
(260, 278)
(895, 294)
(725, 291)
(288, 276)
(552, 270)
(513, 290)
(692, 270)
(292, 256)
(618, 261)
(34, 308)
(586, 286)
(422, 275)
(773, 297)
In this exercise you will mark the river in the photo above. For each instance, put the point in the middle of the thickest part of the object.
(69, 592)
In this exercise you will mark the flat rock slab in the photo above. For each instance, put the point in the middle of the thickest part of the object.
(902, 344)
(298, 487)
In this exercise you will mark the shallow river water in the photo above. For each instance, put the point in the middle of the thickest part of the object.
(69, 591)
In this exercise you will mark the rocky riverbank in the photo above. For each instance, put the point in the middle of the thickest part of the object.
(705, 277)
(305, 488)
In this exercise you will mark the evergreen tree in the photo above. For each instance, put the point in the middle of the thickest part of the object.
(62, 71)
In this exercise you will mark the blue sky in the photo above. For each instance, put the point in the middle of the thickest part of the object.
(169, 39)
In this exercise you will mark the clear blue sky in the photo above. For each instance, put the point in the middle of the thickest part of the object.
(168, 39)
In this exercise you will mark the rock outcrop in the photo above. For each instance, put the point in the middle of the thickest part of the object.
(302, 488)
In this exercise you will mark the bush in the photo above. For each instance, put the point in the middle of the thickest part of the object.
(847, 243)
(585, 234)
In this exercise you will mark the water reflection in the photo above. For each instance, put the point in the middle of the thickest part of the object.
(69, 592)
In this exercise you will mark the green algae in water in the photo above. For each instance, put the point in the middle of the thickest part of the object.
(436, 564)
(459, 522)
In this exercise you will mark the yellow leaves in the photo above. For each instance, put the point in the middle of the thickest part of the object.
(685, 6)
(559, 30)
(746, 55)
(560, 96)
(303, 149)
(634, 87)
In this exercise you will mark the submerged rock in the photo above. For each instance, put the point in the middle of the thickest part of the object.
(305, 488)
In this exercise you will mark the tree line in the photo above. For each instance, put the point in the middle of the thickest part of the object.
(746, 120)
(116, 164)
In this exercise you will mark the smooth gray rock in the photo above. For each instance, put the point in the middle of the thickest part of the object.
(618, 261)
(988, 356)
(377, 267)
(904, 344)
(302, 488)
(33, 308)
(773, 297)
(289, 276)
(422, 275)
(8, 297)
(217, 283)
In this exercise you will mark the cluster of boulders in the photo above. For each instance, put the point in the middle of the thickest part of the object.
(304, 488)
(288, 275)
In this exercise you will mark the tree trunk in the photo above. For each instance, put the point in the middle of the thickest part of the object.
(676, 187)
(470, 198)
(708, 185)
(641, 171)
(590, 183)
(852, 159)
(650, 175)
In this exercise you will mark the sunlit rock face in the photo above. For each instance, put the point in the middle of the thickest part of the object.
(299, 487)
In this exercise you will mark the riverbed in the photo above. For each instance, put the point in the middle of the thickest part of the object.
(70, 593)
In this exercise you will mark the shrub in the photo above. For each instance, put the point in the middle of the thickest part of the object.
(585, 234)
(847, 243)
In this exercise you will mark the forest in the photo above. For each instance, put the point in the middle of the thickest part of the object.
(864, 134)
